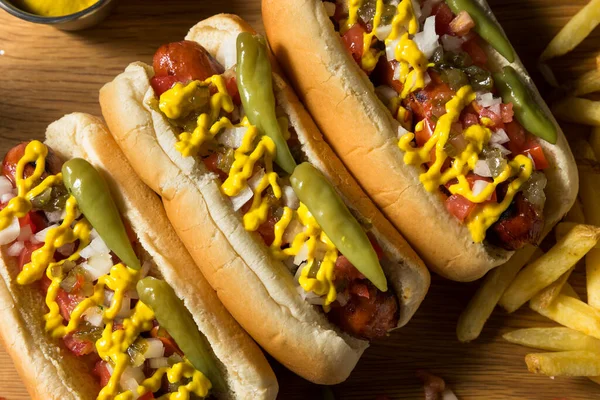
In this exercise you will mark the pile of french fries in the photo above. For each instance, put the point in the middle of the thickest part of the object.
(542, 279)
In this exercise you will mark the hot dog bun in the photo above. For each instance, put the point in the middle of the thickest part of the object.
(48, 369)
(256, 288)
(363, 133)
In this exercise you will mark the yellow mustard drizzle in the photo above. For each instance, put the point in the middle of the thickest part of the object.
(476, 136)
(112, 346)
(353, 7)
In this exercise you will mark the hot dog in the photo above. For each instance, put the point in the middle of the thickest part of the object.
(100, 299)
(436, 118)
(237, 160)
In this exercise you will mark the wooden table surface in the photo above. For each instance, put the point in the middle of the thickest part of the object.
(46, 73)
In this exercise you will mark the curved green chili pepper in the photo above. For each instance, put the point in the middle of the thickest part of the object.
(93, 197)
(171, 314)
(321, 199)
(255, 84)
(527, 111)
(484, 26)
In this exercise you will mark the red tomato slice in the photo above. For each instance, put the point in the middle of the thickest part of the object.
(472, 178)
(102, 372)
(537, 153)
(67, 303)
(161, 84)
(345, 270)
(383, 74)
(25, 256)
(267, 230)
(459, 206)
(507, 112)
(360, 289)
(232, 89)
(516, 134)
(353, 39)
(146, 396)
(211, 163)
(423, 135)
(443, 17)
(78, 346)
(474, 50)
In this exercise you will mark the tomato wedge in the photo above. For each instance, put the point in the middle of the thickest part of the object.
(353, 39)
(535, 151)
(459, 206)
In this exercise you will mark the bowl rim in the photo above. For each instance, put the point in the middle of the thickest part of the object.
(7, 6)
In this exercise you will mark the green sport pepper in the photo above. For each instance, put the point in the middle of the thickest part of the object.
(255, 84)
(527, 111)
(321, 199)
(93, 197)
(171, 314)
(484, 26)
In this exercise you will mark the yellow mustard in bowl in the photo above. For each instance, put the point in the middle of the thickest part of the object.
(53, 8)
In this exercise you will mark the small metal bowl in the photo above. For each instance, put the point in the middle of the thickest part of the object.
(72, 22)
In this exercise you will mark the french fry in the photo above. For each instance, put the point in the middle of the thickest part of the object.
(592, 270)
(575, 214)
(573, 33)
(586, 83)
(572, 313)
(564, 363)
(561, 230)
(553, 339)
(481, 306)
(549, 267)
(589, 191)
(578, 110)
(583, 151)
(568, 290)
(549, 294)
(595, 141)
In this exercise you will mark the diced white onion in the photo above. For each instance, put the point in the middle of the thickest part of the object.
(93, 315)
(241, 198)
(96, 246)
(15, 249)
(41, 235)
(145, 268)
(402, 131)
(316, 301)
(383, 31)
(390, 49)
(302, 255)
(110, 368)
(297, 275)
(25, 233)
(232, 137)
(66, 249)
(130, 384)
(479, 186)
(97, 265)
(482, 169)
(329, 8)
(427, 39)
(487, 99)
(108, 297)
(416, 5)
(426, 78)
(342, 298)
(5, 186)
(502, 149)
(532, 160)
(155, 348)
(255, 180)
(125, 311)
(396, 75)
(292, 230)
(161, 362)
(496, 109)
(54, 216)
(451, 43)
(385, 92)
(6, 197)
(499, 137)
(448, 395)
(11, 232)
(94, 234)
(289, 198)
(132, 294)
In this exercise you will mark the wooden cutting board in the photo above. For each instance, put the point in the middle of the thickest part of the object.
(46, 73)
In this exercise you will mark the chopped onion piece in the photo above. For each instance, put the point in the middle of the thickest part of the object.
(289, 198)
(241, 198)
(254, 181)
(66, 249)
(125, 311)
(15, 249)
(451, 43)
(329, 8)
(41, 235)
(416, 5)
(155, 348)
(401, 131)
(385, 92)
(232, 137)
(293, 229)
(145, 268)
(132, 294)
(482, 169)
(427, 40)
(342, 298)
(11, 232)
(131, 385)
(54, 216)
(93, 315)
(302, 255)
(487, 99)
(5, 186)
(298, 273)
(499, 137)
(25, 234)
(396, 75)
(479, 186)
(108, 297)
(383, 31)
(160, 362)
(97, 265)
(502, 149)
(316, 301)
(390, 51)
(6, 197)
(94, 234)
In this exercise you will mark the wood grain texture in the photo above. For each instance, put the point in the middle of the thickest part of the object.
(47, 73)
